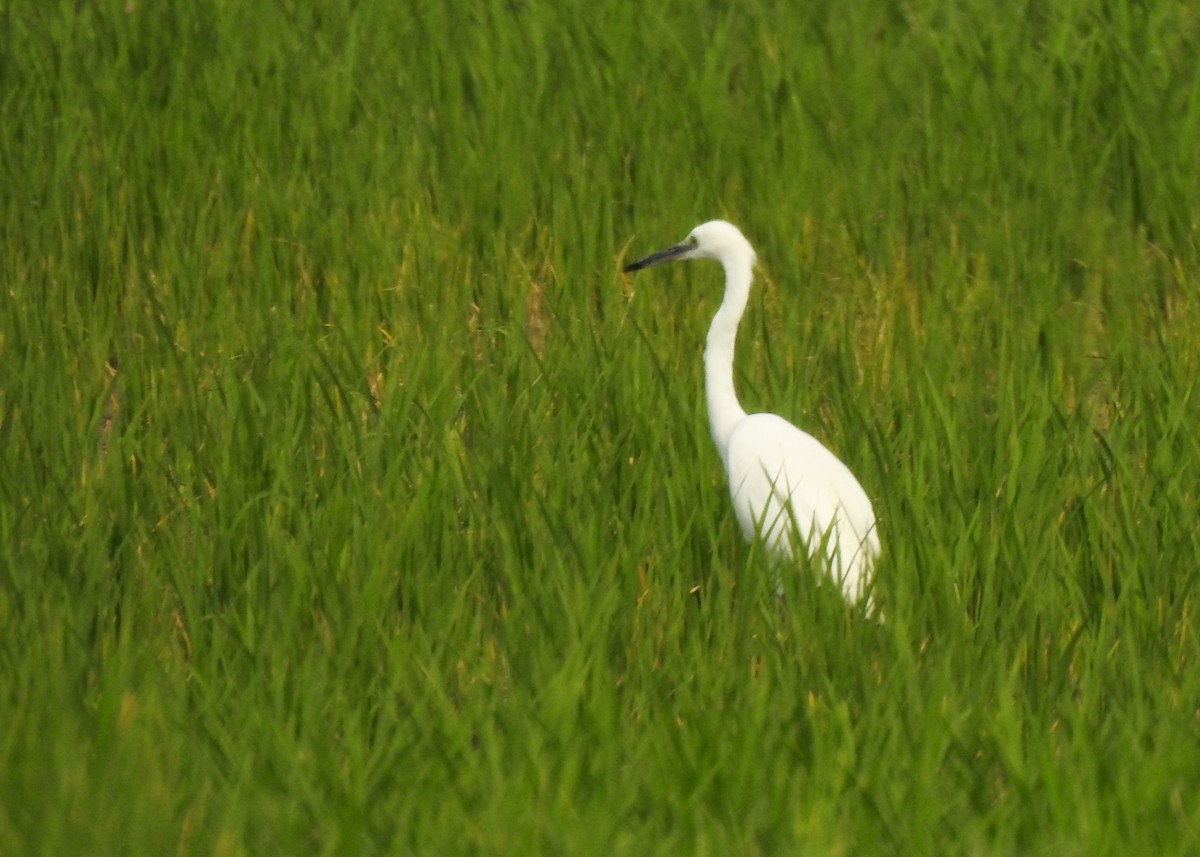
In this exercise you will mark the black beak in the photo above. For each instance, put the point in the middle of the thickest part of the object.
(654, 258)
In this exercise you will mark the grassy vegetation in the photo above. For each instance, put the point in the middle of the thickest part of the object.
(352, 502)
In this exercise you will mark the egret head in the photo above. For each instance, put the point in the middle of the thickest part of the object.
(716, 239)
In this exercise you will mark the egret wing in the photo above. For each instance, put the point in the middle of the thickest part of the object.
(786, 485)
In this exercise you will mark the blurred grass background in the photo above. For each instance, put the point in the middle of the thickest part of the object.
(352, 502)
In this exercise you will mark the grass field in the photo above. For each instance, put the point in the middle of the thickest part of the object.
(353, 502)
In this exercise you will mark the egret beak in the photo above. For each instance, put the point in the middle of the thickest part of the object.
(676, 252)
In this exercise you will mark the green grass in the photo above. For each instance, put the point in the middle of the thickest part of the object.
(352, 502)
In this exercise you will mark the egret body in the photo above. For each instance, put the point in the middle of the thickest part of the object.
(785, 485)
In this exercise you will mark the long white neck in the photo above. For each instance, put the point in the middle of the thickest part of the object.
(724, 410)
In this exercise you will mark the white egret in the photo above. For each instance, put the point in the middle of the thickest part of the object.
(786, 486)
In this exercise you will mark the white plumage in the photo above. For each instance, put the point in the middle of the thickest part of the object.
(786, 486)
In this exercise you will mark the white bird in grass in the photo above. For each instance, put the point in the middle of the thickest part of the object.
(786, 486)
